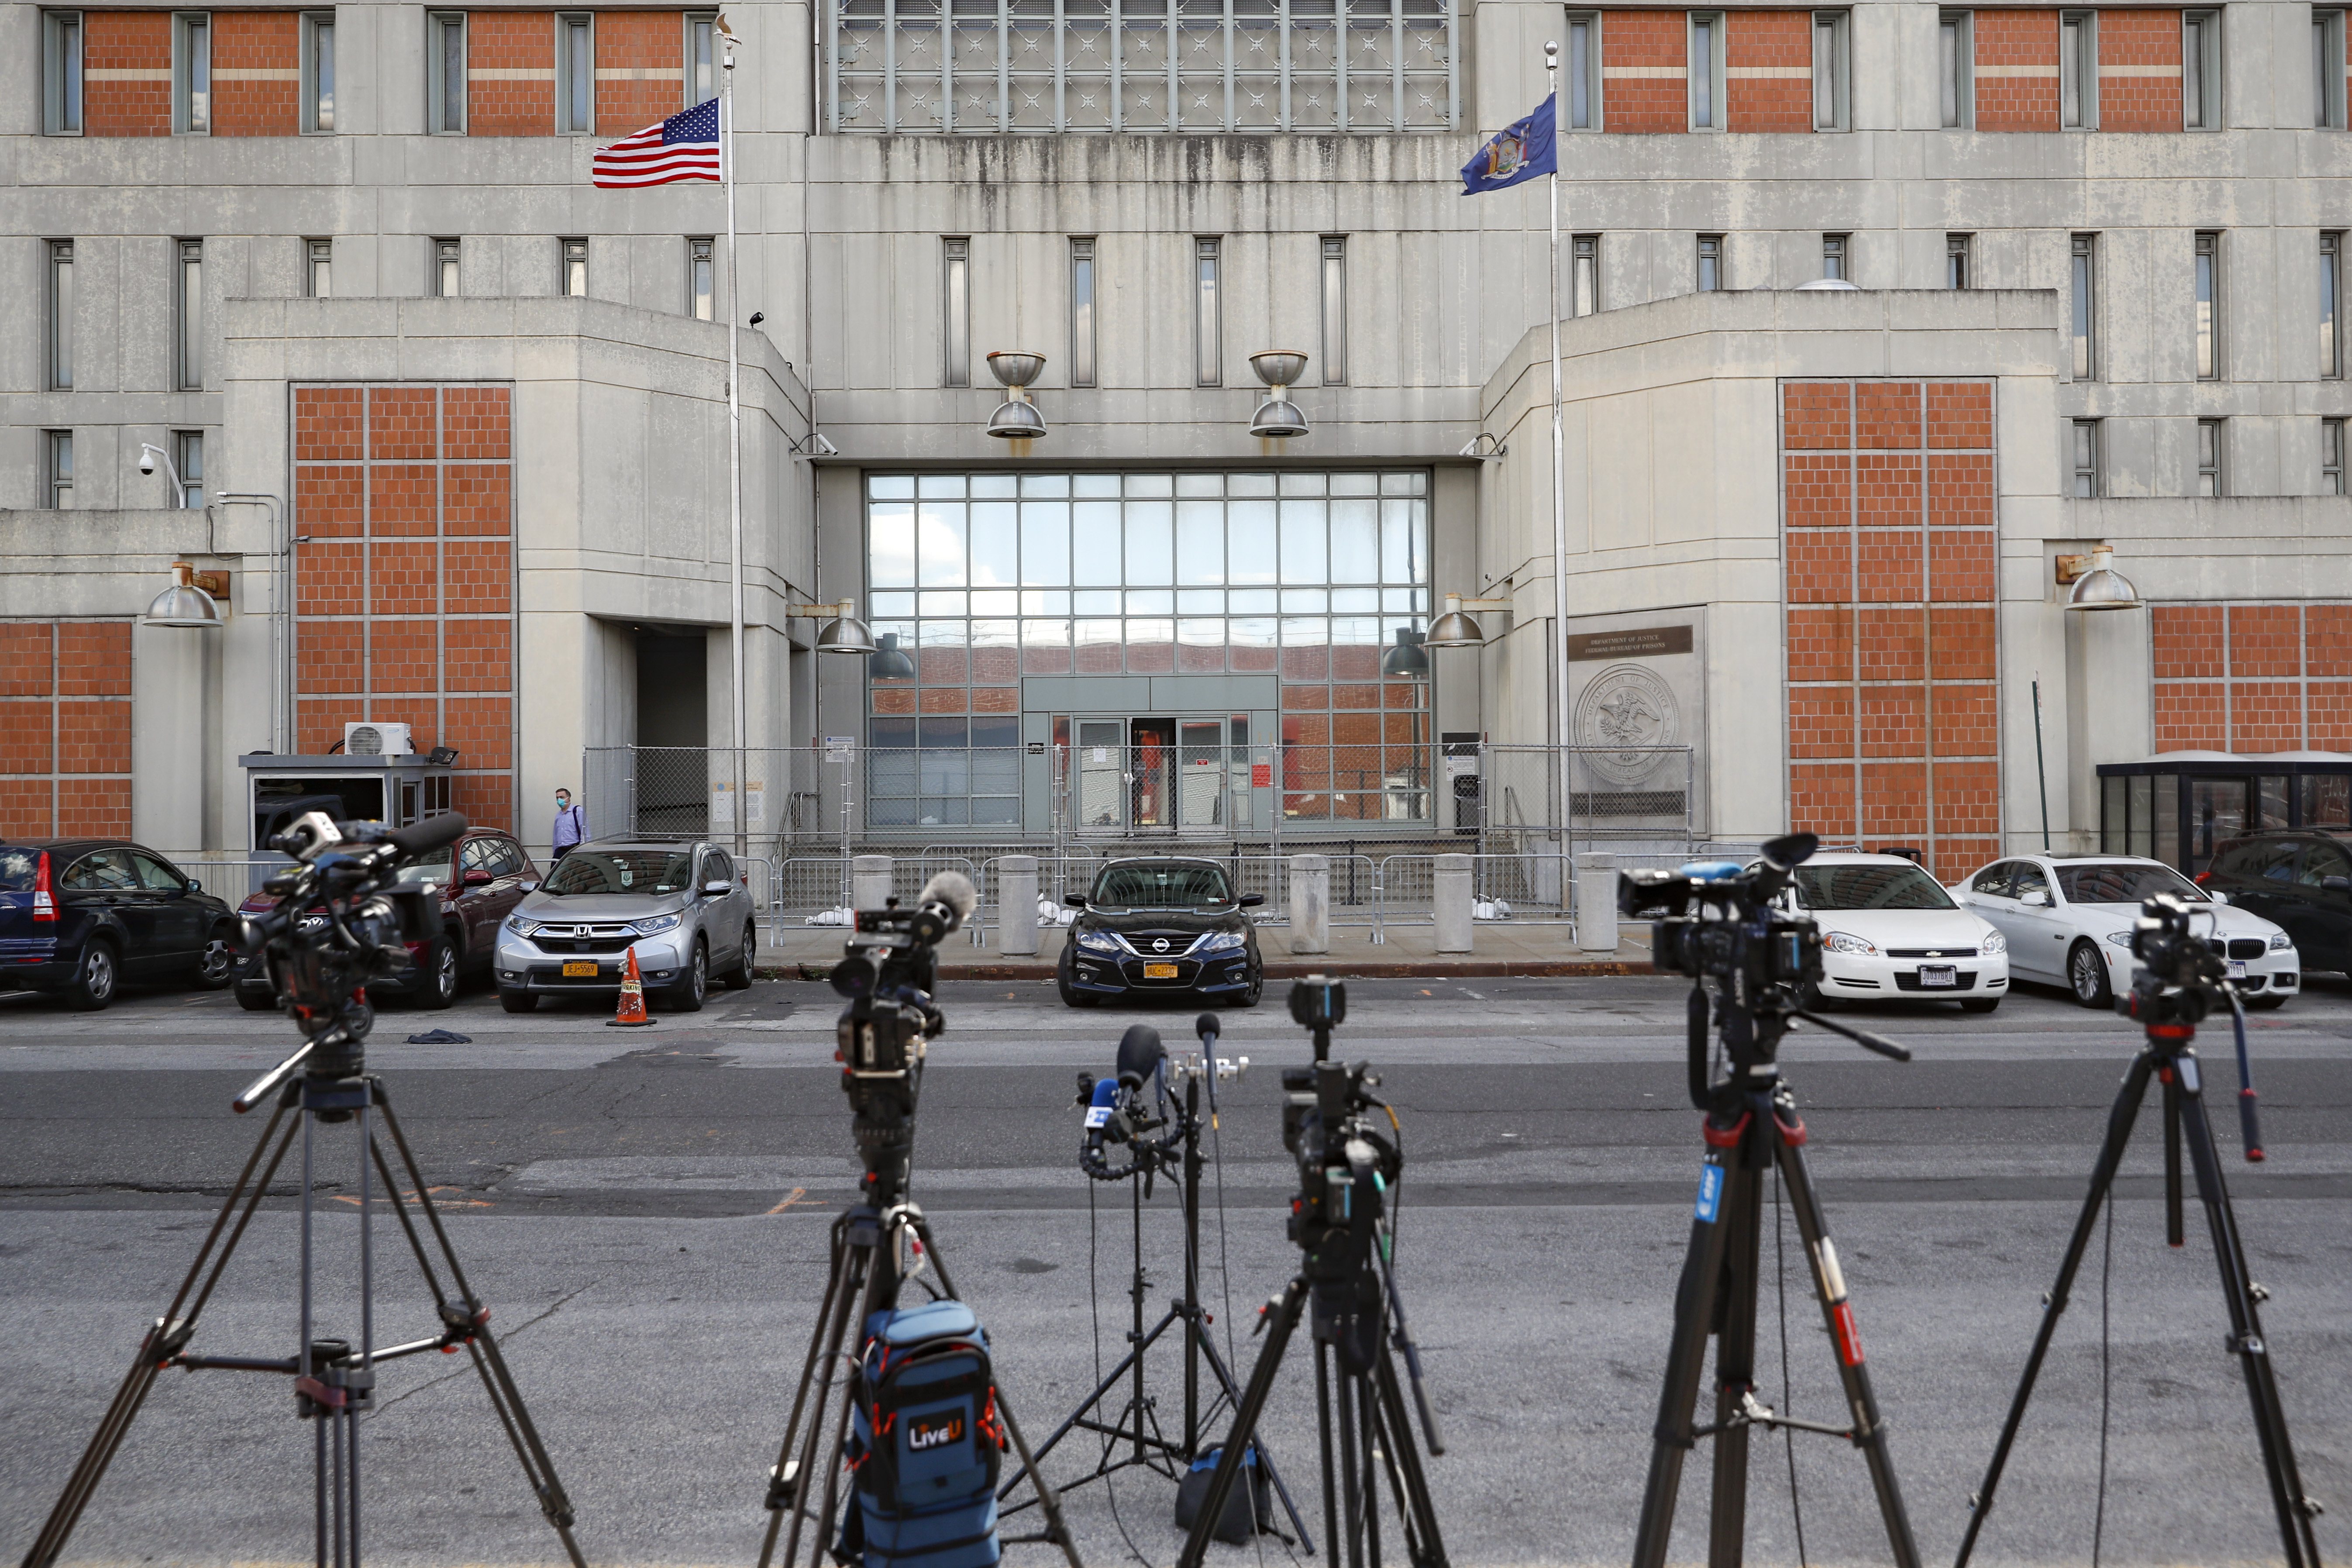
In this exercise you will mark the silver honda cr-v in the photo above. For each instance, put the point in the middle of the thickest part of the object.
(682, 907)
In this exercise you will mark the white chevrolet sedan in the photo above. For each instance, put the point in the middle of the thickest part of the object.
(2069, 918)
(1889, 933)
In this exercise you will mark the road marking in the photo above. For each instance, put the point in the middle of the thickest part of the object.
(794, 1196)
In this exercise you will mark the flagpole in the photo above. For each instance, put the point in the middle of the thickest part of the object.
(1559, 499)
(735, 441)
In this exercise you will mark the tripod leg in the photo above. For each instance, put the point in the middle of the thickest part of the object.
(2175, 1234)
(1352, 1499)
(1424, 1546)
(1323, 1433)
(2246, 1336)
(164, 1340)
(1734, 1362)
(1837, 1315)
(849, 1290)
(1685, 1360)
(1375, 1456)
(1265, 1460)
(2120, 1117)
(1283, 1318)
(778, 1479)
(1102, 1390)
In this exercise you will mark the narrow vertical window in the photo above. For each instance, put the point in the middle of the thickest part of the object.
(1585, 295)
(61, 315)
(446, 280)
(1831, 92)
(2078, 70)
(2331, 457)
(59, 458)
(1580, 110)
(955, 312)
(1335, 310)
(572, 282)
(445, 74)
(2086, 457)
(318, 71)
(188, 456)
(1833, 257)
(575, 73)
(2211, 480)
(2200, 70)
(61, 73)
(190, 299)
(1710, 263)
(2331, 304)
(1208, 316)
(2328, 70)
(2209, 306)
(2084, 280)
(701, 267)
(192, 73)
(1955, 81)
(1956, 247)
(1705, 89)
(701, 58)
(1082, 312)
(319, 268)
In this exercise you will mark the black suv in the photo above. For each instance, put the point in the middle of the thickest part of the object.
(2298, 879)
(1161, 926)
(79, 916)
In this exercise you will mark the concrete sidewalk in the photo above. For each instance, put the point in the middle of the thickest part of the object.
(1499, 948)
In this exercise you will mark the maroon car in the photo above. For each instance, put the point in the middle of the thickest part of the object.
(480, 878)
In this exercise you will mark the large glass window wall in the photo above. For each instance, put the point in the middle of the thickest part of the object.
(975, 581)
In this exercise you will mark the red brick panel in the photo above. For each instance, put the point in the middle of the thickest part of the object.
(2188, 717)
(94, 659)
(2140, 71)
(1817, 415)
(1887, 492)
(2329, 719)
(484, 798)
(1953, 858)
(640, 68)
(943, 700)
(1821, 645)
(1968, 724)
(1967, 800)
(327, 422)
(328, 653)
(1960, 489)
(2265, 715)
(403, 657)
(319, 723)
(1820, 721)
(1892, 645)
(257, 73)
(1643, 87)
(1893, 721)
(1820, 799)
(401, 424)
(476, 499)
(98, 809)
(1886, 413)
(476, 422)
(420, 713)
(477, 656)
(1820, 566)
(476, 578)
(27, 649)
(2187, 642)
(404, 578)
(2327, 640)
(1960, 645)
(1894, 801)
(1890, 570)
(126, 73)
(401, 499)
(327, 579)
(27, 808)
(1769, 61)
(482, 729)
(28, 735)
(329, 501)
(1818, 491)
(1960, 563)
(1959, 414)
(2016, 69)
(511, 73)
(2265, 640)
(94, 737)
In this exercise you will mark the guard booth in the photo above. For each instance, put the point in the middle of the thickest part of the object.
(2178, 806)
(395, 789)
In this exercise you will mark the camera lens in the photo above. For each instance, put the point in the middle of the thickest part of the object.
(855, 975)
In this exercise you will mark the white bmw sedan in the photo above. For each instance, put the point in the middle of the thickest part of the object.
(1889, 933)
(2068, 918)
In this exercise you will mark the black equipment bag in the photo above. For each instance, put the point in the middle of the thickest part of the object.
(1249, 1502)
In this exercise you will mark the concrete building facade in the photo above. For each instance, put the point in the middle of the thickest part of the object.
(350, 259)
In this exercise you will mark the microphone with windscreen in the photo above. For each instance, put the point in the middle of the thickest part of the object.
(946, 901)
(1111, 1104)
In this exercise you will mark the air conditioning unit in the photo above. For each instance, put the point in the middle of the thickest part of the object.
(377, 740)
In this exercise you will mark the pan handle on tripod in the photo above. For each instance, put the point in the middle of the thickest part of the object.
(260, 1088)
(2247, 1123)
(1403, 1337)
(1863, 1038)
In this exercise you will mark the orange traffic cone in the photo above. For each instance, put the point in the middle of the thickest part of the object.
(632, 1015)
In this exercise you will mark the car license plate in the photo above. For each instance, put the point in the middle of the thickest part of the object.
(1938, 975)
(580, 969)
(1160, 971)
(2237, 968)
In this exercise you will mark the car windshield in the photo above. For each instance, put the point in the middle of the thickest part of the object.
(1870, 888)
(432, 866)
(622, 871)
(2122, 882)
(1161, 887)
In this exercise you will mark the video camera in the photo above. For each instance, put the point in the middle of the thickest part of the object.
(888, 971)
(2181, 976)
(1715, 920)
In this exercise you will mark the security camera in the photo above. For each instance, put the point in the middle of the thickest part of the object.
(147, 460)
(826, 448)
(758, 317)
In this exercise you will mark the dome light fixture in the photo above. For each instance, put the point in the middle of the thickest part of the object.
(183, 603)
(2097, 585)
(1017, 419)
(1455, 628)
(844, 632)
(1277, 418)
(889, 661)
(1406, 660)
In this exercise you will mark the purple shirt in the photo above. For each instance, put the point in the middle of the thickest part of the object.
(571, 826)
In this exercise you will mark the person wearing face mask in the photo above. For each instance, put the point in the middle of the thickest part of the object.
(571, 823)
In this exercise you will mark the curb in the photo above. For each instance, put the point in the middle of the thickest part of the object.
(1490, 969)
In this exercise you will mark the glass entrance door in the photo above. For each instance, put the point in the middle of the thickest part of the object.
(1158, 773)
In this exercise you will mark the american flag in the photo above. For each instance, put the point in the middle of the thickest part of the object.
(683, 147)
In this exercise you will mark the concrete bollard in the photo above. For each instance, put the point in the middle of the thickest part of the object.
(1596, 903)
(1016, 904)
(1450, 896)
(870, 881)
(1310, 903)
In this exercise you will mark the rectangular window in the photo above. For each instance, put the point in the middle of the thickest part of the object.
(1710, 263)
(1956, 260)
(572, 281)
(189, 299)
(701, 267)
(444, 75)
(319, 268)
(2086, 457)
(192, 73)
(2078, 70)
(2331, 457)
(61, 315)
(1833, 257)
(2331, 304)
(2211, 480)
(1335, 310)
(2084, 267)
(2209, 306)
(188, 457)
(1955, 78)
(318, 71)
(2328, 70)
(61, 73)
(444, 268)
(1208, 317)
(59, 456)
(1585, 294)
(701, 57)
(955, 312)
(1831, 72)
(1082, 312)
(1705, 54)
(2200, 70)
(1579, 93)
(575, 73)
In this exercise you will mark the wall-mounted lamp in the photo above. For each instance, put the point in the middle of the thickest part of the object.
(1456, 627)
(1405, 660)
(1017, 419)
(1278, 418)
(2096, 585)
(841, 633)
(185, 603)
(889, 661)
(1482, 447)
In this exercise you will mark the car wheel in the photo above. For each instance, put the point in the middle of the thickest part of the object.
(92, 986)
(739, 977)
(2086, 976)
(1256, 989)
(437, 973)
(518, 1001)
(217, 966)
(1071, 996)
(1978, 1004)
(687, 996)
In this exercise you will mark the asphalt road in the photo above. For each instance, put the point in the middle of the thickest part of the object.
(646, 1212)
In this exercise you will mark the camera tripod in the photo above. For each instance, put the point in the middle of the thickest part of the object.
(1137, 1428)
(1751, 1125)
(334, 1381)
(2169, 1058)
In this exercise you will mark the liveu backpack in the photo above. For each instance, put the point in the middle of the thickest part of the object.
(925, 1445)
